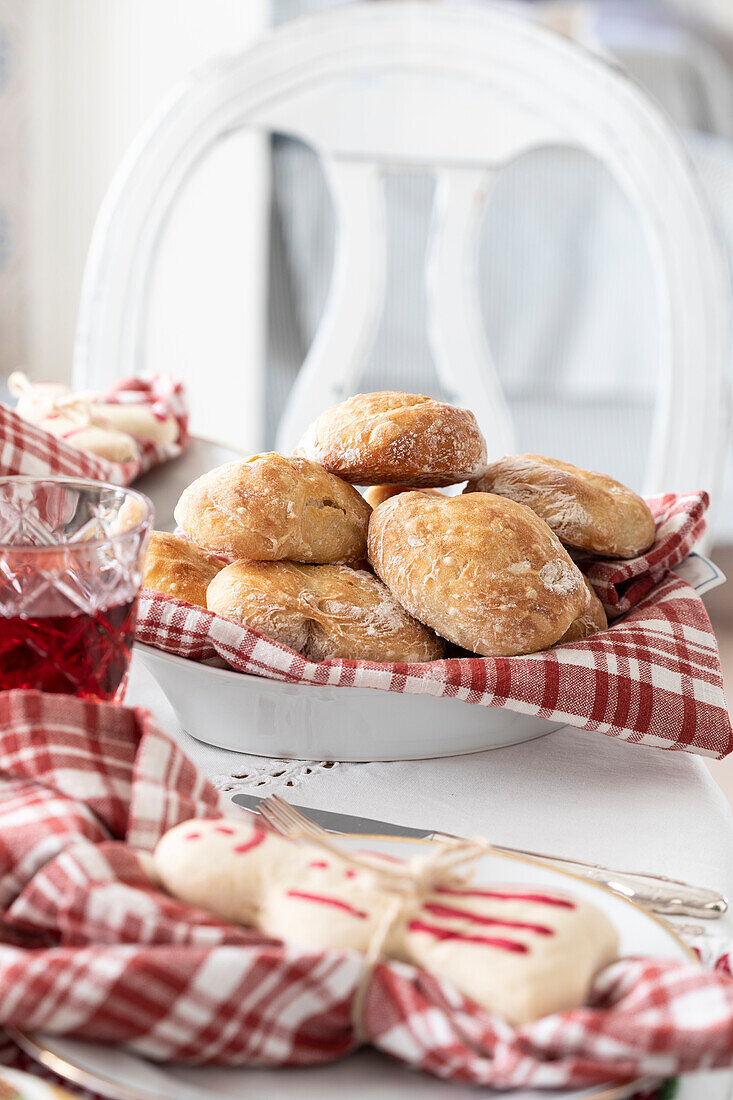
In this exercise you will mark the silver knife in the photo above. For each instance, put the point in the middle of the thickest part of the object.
(662, 895)
(342, 823)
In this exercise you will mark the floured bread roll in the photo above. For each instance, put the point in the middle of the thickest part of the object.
(396, 438)
(482, 571)
(273, 507)
(590, 622)
(520, 951)
(377, 494)
(178, 568)
(321, 611)
(586, 510)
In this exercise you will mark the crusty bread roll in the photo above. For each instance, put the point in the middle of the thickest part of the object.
(590, 622)
(482, 571)
(377, 494)
(396, 438)
(274, 506)
(586, 510)
(178, 568)
(321, 611)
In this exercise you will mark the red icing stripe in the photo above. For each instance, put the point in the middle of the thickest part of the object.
(448, 934)
(193, 836)
(224, 829)
(539, 899)
(337, 903)
(318, 863)
(257, 837)
(448, 912)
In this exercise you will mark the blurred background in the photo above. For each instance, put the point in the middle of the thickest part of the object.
(243, 268)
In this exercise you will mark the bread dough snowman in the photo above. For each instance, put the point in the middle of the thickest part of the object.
(518, 951)
(108, 430)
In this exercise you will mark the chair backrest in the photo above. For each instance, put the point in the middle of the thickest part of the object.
(460, 92)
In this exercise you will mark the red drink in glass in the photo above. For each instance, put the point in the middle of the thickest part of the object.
(84, 655)
(71, 557)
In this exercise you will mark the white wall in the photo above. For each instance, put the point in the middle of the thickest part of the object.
(718, 11)
(96, 69)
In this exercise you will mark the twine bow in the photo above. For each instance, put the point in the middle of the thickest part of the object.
(448, 863)
(76, 407)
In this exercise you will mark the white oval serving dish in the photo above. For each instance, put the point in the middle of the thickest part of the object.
(233, 710)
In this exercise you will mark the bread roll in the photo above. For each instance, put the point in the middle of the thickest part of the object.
(586, 510)
(178, 568)
(377, 494)
(521, 950)
(590, 622)
(272, 507)
(482, 571)
(321, 611)
(396, 439)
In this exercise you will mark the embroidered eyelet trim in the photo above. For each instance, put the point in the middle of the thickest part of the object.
(272, 774)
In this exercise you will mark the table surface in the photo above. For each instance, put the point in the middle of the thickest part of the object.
(570, 793)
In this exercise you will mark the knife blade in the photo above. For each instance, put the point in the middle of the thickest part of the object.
(342, 823)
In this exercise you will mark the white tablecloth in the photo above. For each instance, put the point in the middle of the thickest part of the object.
(570, 793)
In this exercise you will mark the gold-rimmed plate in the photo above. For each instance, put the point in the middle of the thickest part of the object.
(122, 1075)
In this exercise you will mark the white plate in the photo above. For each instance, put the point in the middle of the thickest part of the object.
(366, 1075)
(308, 722)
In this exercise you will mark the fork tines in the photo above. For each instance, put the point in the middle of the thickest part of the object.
(286, 819)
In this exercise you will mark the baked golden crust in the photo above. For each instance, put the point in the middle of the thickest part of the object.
(321, 611)
(178, 568)
(590, 622)
(481, 570)
(396, 438)
(377, 494)
(585, 509)
(272, 507)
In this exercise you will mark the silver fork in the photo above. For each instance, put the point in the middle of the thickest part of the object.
(288, 821)
(654, 892)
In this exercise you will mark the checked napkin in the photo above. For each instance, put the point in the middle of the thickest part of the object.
(29, 450)
(91, 948)
(653, 678)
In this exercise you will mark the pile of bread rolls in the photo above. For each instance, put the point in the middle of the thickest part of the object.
(393, 574)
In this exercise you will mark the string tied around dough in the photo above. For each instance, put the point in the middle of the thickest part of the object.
(449, 862)
(76, 407)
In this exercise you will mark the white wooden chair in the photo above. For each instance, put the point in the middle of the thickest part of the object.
(458, 92)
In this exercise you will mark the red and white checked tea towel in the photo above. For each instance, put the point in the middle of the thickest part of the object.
(89, 947)
(653, 678)
(27, 449)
